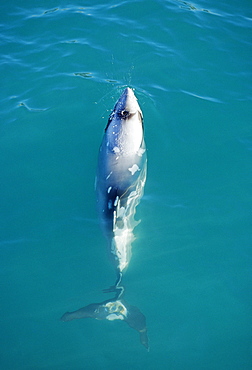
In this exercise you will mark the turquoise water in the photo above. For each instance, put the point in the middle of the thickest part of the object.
(63, 66)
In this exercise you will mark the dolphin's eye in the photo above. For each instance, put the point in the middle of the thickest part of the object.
(124, 114)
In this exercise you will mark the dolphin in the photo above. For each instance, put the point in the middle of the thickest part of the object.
(120, 180)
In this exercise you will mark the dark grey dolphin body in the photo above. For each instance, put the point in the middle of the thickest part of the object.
(121, 176)
(120, 182)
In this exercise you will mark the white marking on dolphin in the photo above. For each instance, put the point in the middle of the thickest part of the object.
(134, 168)
(121, 176)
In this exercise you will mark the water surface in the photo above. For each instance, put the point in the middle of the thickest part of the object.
(63, 66)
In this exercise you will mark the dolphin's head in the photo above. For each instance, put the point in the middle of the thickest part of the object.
(124, 131)
(126, 105)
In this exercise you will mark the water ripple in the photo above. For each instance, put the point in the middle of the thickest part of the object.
(23, 104)
(212, 99)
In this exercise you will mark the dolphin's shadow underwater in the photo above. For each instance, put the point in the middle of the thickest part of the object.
(120, 180)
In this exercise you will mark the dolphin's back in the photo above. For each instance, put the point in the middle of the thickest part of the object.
(121, 176)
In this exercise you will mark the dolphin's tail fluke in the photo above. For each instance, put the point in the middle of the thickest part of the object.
(113, 309)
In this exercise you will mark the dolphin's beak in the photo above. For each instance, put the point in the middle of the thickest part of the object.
(128, 102)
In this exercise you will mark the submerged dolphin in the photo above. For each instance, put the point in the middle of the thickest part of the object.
(120, 181)
(121, 177)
